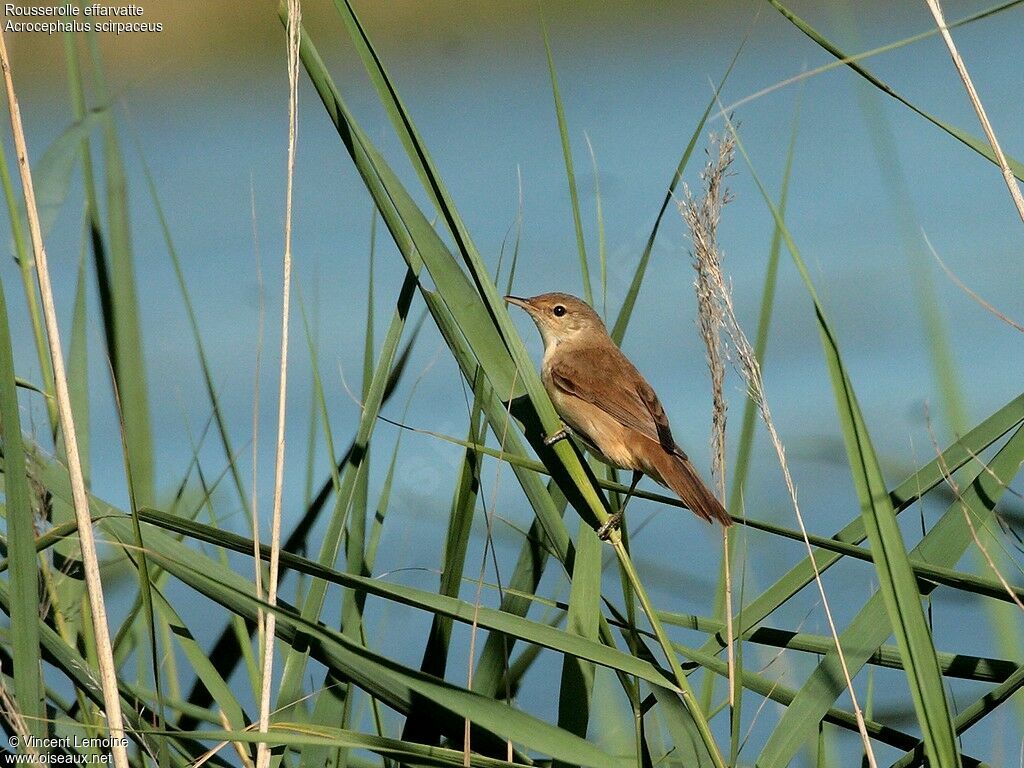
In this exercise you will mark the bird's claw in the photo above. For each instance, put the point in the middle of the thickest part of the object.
(611, 524)
(561, 434)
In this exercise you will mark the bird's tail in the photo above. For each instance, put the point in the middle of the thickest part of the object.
(678, 473)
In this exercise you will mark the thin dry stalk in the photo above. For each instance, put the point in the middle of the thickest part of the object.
(90, 561)
(702, 218)
(746, 362)
(963, 287)
(294, 30)
(972, 94)
(255, 521)
(240, 748)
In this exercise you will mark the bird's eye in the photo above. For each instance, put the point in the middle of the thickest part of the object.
(559, 310)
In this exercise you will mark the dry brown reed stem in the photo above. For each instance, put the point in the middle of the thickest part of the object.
(745, 361)
(90, 560)
(294, 31)
(702, 218)
(972, 94)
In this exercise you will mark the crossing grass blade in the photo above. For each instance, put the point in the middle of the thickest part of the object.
(453, 561)
(232, 645)
(204, 669)
(944, 544)
(300, 735)
(964, 666)
(313, 603)
(390, 682)
(970, 715)
(71, 663)
(393, 684)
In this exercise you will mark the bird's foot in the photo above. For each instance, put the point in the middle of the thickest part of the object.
(611, 524)
(561, 434)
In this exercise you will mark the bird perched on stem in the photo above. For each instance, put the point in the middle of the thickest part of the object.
(602, 398)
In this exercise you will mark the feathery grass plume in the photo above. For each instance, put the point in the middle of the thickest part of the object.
(714, 296)
(702, 217)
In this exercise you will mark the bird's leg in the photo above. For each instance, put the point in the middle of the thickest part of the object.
(613, 522)
(561, 434)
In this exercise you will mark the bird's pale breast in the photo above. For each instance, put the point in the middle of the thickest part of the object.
(609, 440)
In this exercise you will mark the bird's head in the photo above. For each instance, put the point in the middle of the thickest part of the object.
(560, 317)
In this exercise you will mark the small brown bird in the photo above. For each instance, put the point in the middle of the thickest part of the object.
(604, 400)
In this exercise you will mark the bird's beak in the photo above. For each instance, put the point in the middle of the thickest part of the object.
(524, 303)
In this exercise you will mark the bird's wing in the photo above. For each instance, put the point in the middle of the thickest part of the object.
(609, 381)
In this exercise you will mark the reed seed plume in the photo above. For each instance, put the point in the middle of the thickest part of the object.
(702, 217)
(717, 314)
